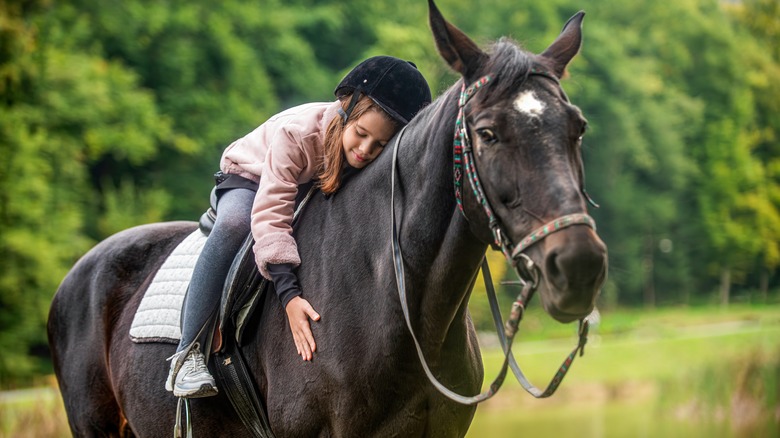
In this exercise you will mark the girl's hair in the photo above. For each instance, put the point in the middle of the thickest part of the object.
(332, 167)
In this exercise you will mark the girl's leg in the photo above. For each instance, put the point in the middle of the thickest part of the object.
(230, 229)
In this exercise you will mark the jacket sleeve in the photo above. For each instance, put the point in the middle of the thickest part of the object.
(274, 203)
(285, 282)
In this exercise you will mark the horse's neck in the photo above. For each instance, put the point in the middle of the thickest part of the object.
(441, 254)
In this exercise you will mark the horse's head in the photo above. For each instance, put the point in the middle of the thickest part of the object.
(525, 136)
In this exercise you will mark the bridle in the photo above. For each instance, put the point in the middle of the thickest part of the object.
(463, 156)
(528, 272)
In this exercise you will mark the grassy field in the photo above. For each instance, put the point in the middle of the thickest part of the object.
(681, 372)
(33, 413)
(671, 373)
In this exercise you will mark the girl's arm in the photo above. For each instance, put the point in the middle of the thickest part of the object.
(274, 203)
(276, 252)
(299, 310)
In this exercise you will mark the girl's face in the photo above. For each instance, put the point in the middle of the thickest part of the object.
(365, 138)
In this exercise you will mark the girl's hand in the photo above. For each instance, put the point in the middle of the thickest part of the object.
(298, 313)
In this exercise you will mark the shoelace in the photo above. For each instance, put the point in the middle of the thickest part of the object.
(173, 357)
(197, 356)
(200, 361)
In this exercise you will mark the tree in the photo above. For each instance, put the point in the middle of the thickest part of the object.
(62, 112)
(761, 18)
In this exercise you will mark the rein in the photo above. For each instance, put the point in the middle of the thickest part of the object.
(526, 269)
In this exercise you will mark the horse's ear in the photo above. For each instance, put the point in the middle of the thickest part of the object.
(568, 43)
(460, 52)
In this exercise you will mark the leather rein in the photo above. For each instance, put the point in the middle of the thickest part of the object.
(528, 272)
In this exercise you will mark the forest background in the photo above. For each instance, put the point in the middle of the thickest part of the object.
(114, 113)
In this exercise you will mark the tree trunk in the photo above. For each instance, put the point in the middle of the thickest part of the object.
(764, 285)
(649, 269)
(725, 285)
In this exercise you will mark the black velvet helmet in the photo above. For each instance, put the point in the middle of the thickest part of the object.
(393, 84)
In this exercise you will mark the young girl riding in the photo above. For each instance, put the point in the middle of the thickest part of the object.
(257, 188)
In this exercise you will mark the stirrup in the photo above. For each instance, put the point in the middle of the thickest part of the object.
(187, 428)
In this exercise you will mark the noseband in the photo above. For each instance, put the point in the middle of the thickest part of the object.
(527, 271)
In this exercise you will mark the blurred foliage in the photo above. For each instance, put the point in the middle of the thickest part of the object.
(114, 114)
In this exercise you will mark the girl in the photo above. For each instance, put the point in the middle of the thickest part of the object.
(257, 188)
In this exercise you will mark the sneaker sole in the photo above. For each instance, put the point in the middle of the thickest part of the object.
(206, 390)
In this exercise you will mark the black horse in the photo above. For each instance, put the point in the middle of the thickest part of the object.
(365, 379)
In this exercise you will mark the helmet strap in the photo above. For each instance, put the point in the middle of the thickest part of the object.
(355, 97)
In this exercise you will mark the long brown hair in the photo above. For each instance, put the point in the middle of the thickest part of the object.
(332, 165)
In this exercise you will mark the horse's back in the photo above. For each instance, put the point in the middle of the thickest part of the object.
(111, 273)
(92, 307)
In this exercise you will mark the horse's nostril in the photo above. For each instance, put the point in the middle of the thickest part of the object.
(576, 266)
(554, 272)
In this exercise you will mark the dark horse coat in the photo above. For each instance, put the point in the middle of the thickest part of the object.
(365, 379)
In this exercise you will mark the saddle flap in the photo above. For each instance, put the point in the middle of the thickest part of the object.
(243, 288)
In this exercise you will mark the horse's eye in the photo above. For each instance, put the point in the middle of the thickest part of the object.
(581, 133)
(487, 136)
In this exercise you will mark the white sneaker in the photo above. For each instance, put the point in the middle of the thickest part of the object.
(192, 379)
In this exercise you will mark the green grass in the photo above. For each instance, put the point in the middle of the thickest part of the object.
(33, 414)
(672, 372)
(537, 325)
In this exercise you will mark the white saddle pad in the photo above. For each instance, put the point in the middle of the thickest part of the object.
(157, 318)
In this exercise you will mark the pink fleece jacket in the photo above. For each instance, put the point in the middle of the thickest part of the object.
(283, 152)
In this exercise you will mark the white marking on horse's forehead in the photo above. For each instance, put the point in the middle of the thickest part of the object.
(528, 104)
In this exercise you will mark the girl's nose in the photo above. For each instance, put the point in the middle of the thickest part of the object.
(367, 148)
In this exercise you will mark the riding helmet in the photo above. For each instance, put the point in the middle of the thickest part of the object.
(393, 84)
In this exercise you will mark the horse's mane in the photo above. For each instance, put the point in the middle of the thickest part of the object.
(509, 66)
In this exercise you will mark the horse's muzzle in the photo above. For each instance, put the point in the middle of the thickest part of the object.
(574, 269)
